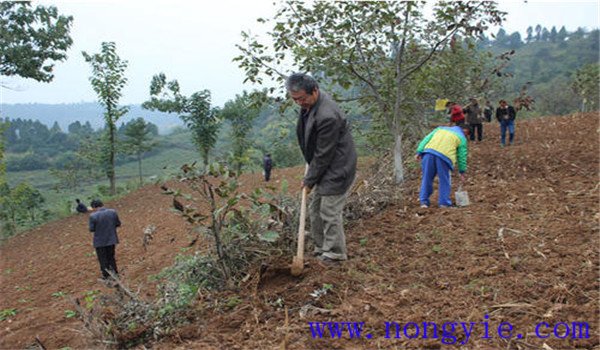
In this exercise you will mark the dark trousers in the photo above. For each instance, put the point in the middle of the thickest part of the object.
(106, 257)
(479, 128)
(510, 126)
(267, 174)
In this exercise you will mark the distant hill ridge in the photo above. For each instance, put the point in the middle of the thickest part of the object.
(67, 113)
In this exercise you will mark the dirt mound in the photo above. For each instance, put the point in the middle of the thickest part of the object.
(525, 251)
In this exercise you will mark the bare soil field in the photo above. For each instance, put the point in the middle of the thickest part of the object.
(526, 251)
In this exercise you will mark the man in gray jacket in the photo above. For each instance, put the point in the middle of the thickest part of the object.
(104, 223)
(328, 148)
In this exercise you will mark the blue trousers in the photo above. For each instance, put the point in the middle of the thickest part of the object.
(432, 165)
(510, 125)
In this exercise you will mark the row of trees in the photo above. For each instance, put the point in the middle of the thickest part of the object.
(32, 145)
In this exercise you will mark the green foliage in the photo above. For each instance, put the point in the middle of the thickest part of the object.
(90, 298)
(7, 313)
(585, 85)
(547, 67)
(27, 198)
(19, 204)
(138, 140)
(32, 38)
(182, 280)
(232, 226)
(381, 44)
(108, 80)
(71, 313)
(195, 111)
(241, 112)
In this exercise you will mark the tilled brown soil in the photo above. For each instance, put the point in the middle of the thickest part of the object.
(525, 251)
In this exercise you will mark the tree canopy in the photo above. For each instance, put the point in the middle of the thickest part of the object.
(108, 80)
(195, 111)
(32, 40)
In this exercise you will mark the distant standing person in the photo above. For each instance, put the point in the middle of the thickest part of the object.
(104, 223)
(457, 116)
(506, 115)
(328, 148)
(267, 166)
(80, 208)
(488, 111)
(439, 152)
(474, 116)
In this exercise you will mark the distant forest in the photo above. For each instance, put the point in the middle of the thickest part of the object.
(547, 59)
(85, 112)
(31, 145)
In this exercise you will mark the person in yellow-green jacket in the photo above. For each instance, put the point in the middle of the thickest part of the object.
(439, 153)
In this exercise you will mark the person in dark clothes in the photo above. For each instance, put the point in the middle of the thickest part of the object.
(328, 148)
(506, 116)
(103, 223)
(474, 113)
(267, 166)
(80, 208)
(488, 111)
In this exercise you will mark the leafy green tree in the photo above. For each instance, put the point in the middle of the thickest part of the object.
(138, 140)
(502, 37)
(108, 80)
(585, 85)
(31, 39)
(373, 47)
(545, 34)
(6, 226)
(241, 112)
(3, 128)
(562, 34)
(195, 111)
(538, 32)
(553, 36)
(529, 37)
(27, 199)
(514, 41)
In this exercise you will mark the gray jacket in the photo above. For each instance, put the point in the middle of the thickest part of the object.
(328, 147)
(104, 223)
(473, 114)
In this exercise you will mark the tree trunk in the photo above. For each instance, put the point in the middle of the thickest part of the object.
(398, 166)
(205, 157)
(111, 160)
(140, 167)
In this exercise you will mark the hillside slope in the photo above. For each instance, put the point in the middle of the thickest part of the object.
(524, 252)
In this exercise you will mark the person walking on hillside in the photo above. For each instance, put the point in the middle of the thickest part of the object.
(328, 147)
(488, 111)
(267, 166)
(103, 223)
(80, 208)
(457, 116)
(474, 118)
(506, 116)
(439, 152)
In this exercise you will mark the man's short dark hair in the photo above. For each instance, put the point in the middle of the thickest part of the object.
(96, 203)
(301, 81)
(77, 200)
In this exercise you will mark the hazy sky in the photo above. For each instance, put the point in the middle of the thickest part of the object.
(194, 42)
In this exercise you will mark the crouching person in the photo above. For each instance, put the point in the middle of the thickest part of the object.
(439, 152)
